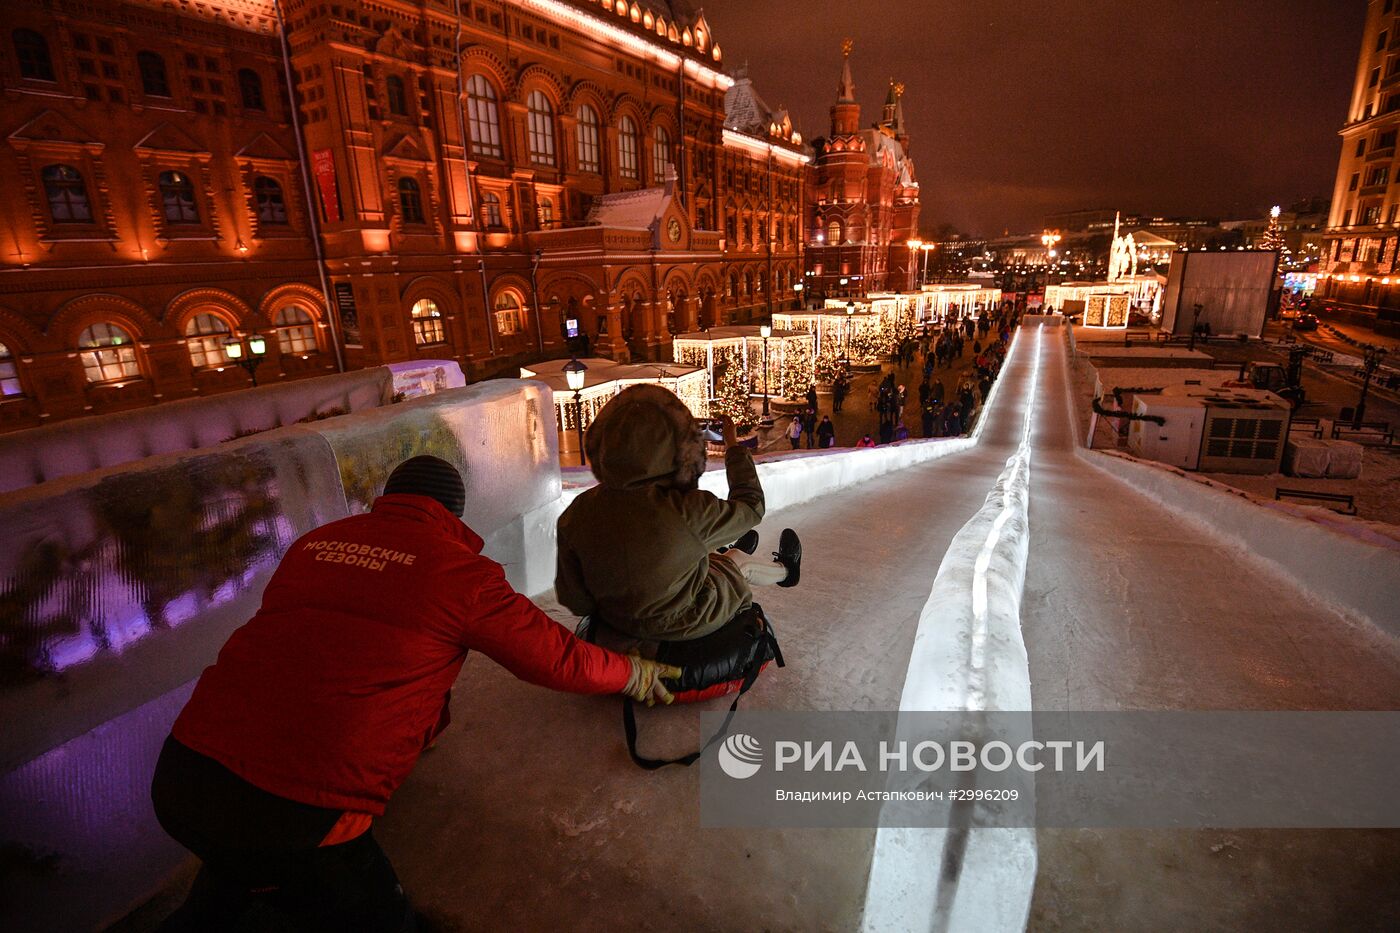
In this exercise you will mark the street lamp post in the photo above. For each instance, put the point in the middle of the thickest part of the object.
(1369, 366)
(574, 372)
(914, 247)
(797, 289)
(257, 351)
(925, 249)
(765, 332)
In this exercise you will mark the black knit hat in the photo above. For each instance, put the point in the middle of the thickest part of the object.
(432, 477)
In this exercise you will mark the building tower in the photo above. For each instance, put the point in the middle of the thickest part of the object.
(1360, 245)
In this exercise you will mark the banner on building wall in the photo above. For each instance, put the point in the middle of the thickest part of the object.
(349, 317)
(323, 165)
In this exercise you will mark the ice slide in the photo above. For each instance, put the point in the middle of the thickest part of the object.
(529, 815)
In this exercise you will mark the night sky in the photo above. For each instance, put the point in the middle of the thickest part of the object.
(1019, 108)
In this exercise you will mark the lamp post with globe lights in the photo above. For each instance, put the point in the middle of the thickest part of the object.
(250, 361)
(575, 372)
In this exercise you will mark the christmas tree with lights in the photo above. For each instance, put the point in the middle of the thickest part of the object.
(1273, 234)
(732, 396)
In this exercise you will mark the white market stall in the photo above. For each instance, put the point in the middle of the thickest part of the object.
(791, 357)
(604, 379)
(952, 302)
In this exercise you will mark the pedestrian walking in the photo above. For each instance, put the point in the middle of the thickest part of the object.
(794, 431)
(826, 433)
(809, 425)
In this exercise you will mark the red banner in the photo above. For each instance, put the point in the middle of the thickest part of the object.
(323, 164)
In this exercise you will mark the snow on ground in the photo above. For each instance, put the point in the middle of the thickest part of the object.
(1376, 492)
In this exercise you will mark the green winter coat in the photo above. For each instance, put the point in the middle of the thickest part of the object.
(637, 550)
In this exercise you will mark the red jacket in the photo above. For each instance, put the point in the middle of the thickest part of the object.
(330, 692)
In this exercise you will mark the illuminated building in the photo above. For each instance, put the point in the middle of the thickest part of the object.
(863, 200)
(1363, 228)
(479, 174)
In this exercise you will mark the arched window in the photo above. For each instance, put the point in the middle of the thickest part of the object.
(833, 232)
(748, 284)
(541, 125)
(177, 195)
(733, 286)
(731, 227)
(410, 202)
(108, 354)
(204, 338)
(660, 153)
(296, 332)
(250, 87)
(32, 53)
(506, 311)
(588, 149)
(546, 213)
(427, 323)
(483, 116)
(152, 69)
(272, 208)
(491, 209)
(397, 99)
(67, 195)
(9, 374)
(627, 148)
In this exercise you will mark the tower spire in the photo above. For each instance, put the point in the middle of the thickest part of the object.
(846, 91)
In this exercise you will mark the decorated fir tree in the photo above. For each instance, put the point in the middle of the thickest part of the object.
(732, 396)
(797, 370)
(1273, 234)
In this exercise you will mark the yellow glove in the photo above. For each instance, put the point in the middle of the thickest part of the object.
(645, 684)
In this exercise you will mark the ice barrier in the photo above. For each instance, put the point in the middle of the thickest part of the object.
(72, 447)
(968, 654)
(118, 586)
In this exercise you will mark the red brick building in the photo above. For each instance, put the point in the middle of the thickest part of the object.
(447, 187)
(863, 204)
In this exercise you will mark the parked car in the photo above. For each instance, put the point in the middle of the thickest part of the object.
(1305, 322)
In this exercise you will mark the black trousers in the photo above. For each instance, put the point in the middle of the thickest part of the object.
(264, 869)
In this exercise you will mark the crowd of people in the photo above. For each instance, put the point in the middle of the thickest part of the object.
(945, 410)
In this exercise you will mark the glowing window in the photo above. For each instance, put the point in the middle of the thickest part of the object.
(108, 354)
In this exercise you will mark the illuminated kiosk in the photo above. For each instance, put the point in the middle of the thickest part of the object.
(604, 379)
(1107, 304)
(953, 302)
(842, 330)
(791, 357)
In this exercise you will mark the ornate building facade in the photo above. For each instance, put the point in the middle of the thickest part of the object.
(1361, 247)
(487, 182)
(863, 199)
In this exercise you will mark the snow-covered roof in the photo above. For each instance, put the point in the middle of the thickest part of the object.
(631, 210)
(744, 109)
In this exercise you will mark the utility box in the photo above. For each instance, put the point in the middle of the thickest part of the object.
(1176, 443)
(1212, 428)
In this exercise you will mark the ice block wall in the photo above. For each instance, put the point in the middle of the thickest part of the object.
(72, 447)
(118, 586)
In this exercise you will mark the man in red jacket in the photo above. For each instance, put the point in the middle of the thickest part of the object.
(317, 709)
